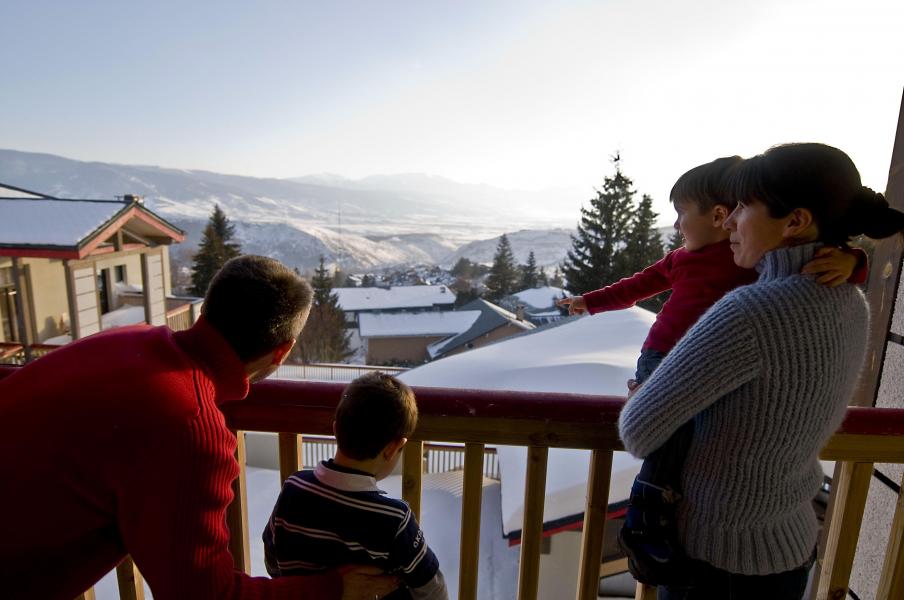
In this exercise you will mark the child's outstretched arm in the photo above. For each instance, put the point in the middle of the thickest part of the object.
(834, 266)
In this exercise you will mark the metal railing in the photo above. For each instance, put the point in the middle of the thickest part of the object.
(328, 371)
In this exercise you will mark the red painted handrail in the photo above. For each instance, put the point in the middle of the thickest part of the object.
(275, 402)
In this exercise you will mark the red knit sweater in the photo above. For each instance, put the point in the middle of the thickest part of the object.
(114, 444)
(697, 280)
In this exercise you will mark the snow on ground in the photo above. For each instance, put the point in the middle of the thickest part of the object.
(591, 355)
(440, 519)
(122, 316)
(402, 296)
(542, 297)
(425, 323)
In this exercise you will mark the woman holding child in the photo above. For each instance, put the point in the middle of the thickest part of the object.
(765, 376)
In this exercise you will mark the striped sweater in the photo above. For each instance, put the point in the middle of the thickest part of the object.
(334, 516)
(766, 375)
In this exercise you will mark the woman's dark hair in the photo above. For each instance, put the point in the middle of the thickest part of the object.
(821, 179)
(257, 303)
(375, 409)
(704, 185)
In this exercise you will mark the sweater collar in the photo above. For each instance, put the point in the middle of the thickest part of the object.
(345, 479)
(208, 348)
(786, 261)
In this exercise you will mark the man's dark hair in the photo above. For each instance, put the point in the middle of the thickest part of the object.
(375, 409)
(257, 303)
(706, 185)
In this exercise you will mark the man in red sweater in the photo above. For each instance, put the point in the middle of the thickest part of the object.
(115, 445)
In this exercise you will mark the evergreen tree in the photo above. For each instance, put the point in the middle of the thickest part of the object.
(323, 338)
(530, 278)
(503, 273)
(368, 281)
(644, 244)
(216, 247)
(556, 279)
(676, 240)
(594, 259)
(543, 278)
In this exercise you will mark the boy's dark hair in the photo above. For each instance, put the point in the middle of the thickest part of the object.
(822, 179)
(705, 185)
(257, 303)
(375, 409)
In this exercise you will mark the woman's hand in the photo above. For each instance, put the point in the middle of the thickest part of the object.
(576, 304)
(831, 266)
(366, 583)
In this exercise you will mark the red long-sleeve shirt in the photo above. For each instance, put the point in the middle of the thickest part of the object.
(697, 280)
(114, 444)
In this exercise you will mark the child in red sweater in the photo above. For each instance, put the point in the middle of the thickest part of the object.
(699, 274)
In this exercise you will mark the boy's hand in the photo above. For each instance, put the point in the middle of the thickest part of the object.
(576, 304)
(633, 387)
(366, 583)
(831, 266)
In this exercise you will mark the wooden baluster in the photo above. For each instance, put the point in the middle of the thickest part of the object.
(532, 529)
(412, 475)
(131, 585)
(594, 523)
(891, 582)
(237, 513)
(645, 592)
(290, 455)
(470, 522)
(86, 595)
(849, 494)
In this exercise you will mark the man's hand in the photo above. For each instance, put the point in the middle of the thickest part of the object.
(576, 304)
(366, 583)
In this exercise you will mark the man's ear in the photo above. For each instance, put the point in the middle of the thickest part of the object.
(282, 351)
(720, 212)
(799, 221)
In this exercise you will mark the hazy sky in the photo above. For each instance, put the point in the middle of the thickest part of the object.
(520, 94)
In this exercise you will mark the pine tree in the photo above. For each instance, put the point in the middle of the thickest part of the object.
(556, 279)
(215, 249)
(676, 240)
(594, 259)
(644, 244)
(530, 278)
(503, 273)
(543, 278)
(323, 338)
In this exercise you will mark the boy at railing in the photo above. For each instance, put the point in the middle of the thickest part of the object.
(699, 274)
(335, 515)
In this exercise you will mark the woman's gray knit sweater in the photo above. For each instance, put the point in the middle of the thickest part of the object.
(766, 375)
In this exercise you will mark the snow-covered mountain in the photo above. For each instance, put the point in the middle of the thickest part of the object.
(376, 221)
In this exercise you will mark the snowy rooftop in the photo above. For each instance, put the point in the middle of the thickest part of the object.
(414, 324)
(590, 355)
(542, 297)
(50, 222)
(491, 317)
(404, 296)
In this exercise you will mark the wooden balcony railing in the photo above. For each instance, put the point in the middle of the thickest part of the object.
(179, 318)
(541, 421)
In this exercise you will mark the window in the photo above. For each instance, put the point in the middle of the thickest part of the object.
(103, 290)
(119, 274)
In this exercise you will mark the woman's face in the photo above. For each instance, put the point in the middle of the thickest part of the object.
(753, 232)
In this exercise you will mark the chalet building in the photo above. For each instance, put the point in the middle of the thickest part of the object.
(396, 299)
(72, 267)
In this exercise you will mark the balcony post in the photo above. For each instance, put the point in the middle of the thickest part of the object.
(532, 529)
(849, 491)
(237, 513)
(470, 522)
(891, 582)
(412, 475)
(290, 455)
(131, 585)
(594, 524)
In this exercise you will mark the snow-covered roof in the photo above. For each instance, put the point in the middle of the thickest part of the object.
(542, 297)
(590, 355)
(9, 191)
(46, 222)
(416, 324)
(491, 317)
(403, 296)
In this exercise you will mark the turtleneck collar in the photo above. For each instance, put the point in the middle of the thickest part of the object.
(208, 348)
(786, 261)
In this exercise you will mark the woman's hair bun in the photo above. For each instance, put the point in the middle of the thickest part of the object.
(871, 215)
